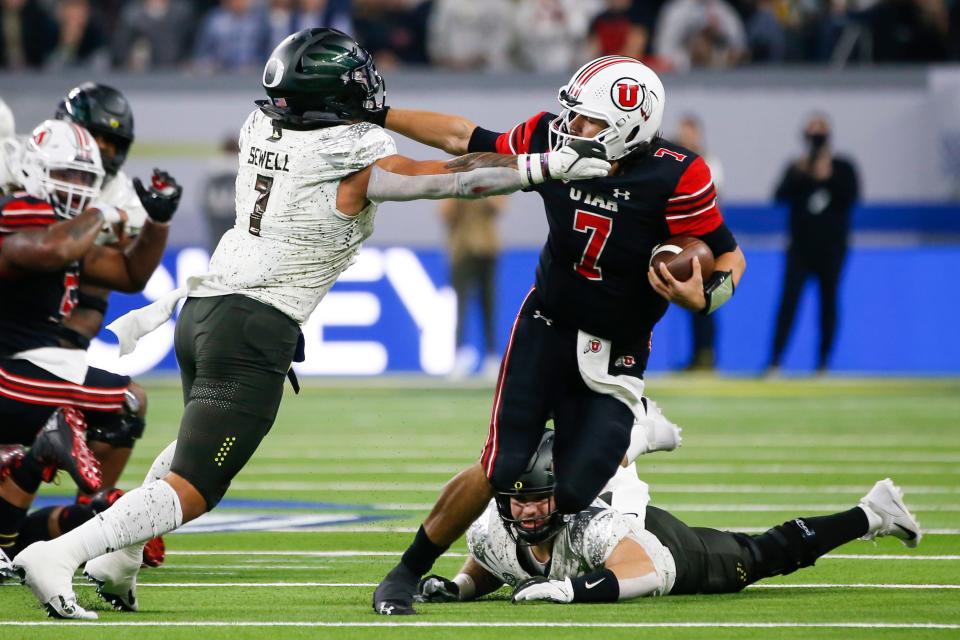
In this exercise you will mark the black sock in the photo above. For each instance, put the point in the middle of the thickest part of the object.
(73, 516)
(27, 473)
(35, 527)
(11, 518)
(422, 553)
(838, 528)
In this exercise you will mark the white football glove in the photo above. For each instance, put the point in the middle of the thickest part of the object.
(579, 160)
(539, 588)
(436, 588)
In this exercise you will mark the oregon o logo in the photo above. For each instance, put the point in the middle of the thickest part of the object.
(627, 94)
(518, 485)
(272, 73)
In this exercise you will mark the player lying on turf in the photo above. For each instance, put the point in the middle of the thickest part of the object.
(311, 176)
(603, 555)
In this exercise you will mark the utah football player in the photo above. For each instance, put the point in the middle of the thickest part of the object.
(47, 248)
(603, 555)
(312, 173)
(106, 114)
(580, 343)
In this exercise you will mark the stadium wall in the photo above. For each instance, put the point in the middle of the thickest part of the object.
(393, 311)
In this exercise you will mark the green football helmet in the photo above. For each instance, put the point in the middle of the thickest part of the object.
(535, 483)
(321, 78)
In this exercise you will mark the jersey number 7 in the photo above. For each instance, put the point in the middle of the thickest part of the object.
(599, 228)
(263, 186)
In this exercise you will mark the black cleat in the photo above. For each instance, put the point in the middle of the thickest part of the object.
(394, 594)
(62, 444)
(10, 455)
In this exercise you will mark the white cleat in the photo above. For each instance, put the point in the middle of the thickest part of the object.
(885, 500)
(50, 580)
(115, 575)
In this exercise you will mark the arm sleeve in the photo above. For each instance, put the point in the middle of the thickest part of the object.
(513, 142)
(720, 240)
(693, 208)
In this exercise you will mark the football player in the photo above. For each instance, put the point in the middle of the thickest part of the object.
(602, 555)
(47, 247)
(312, 173)
(580, 343)
(106, 114)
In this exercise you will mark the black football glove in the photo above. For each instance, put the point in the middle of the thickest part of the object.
(162, 198)
(436, 588)
(377, 116)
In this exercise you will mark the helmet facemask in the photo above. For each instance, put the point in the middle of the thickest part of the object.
(71, 188)
(533, 530)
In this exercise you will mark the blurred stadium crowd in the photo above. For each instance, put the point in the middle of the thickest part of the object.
(534, 35)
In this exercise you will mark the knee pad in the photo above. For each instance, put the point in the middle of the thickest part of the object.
(119, 430)
(786, 548)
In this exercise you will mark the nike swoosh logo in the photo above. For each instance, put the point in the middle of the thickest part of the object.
(910, 534)
(591, 585)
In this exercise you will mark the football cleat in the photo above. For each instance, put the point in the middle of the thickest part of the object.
(394, 595)
(154, 552)
(62, 444)
(115, 575)
(885, 500)
(6, 567)
(50, 580)
(10, 455)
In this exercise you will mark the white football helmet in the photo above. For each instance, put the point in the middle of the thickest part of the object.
(61, 164)
(624, 92)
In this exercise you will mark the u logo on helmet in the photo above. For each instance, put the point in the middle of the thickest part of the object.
(628, 94)
(39, 137)
(273, 72)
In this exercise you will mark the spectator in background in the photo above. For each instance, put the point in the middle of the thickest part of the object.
(703, 356)
(394, 31)
(82, 41)
(909, 30)
(233, 36)
(820, 189)
(615, 31)
(473, 246)
(153, 34)
(27, 34)
(700, 33)
(766, 35)
(289, 16)
(549, 34)
(219, 192)
(466, 34)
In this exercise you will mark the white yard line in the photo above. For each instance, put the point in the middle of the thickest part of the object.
(301, 585)
(712, 508)
(506, 624)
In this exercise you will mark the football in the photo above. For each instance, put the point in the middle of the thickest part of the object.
(678, 252)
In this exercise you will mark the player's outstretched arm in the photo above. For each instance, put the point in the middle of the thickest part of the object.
(439, 130)
(53, 247)
(130, 268)
(474, 175)
(472, 582)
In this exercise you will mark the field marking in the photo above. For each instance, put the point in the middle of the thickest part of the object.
(396, 554)
(398, 529)
(519, 624)
(334, 585)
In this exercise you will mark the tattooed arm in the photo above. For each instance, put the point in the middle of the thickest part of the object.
(53, 247)
(475, 175)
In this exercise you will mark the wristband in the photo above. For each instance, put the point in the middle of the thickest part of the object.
(717, 290)
(531, 168)
(110, 213)
(596, 586)
(378, 117)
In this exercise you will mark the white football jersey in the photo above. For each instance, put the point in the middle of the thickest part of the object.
(10, 150)
(119, 192)
(290, 243)
(582, 546)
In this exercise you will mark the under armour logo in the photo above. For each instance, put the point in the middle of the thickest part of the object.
(386, 609)
(624, 193)
(537, 315)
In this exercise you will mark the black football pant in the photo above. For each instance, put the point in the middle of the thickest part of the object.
(466, 274)
(713, 561)
(234, 353)
(827, 267)
(540, 379)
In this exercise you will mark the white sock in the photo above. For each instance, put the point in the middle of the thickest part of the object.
(132, 555)
(874, 521)
(629, 494)
(142, 514)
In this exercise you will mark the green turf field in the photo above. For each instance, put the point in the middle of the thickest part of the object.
(371, 456)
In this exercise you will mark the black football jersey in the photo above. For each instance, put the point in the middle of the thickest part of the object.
(592, 272)
(32, 304)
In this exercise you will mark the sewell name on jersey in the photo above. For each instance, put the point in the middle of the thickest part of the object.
(272, 160)
(594, 200)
